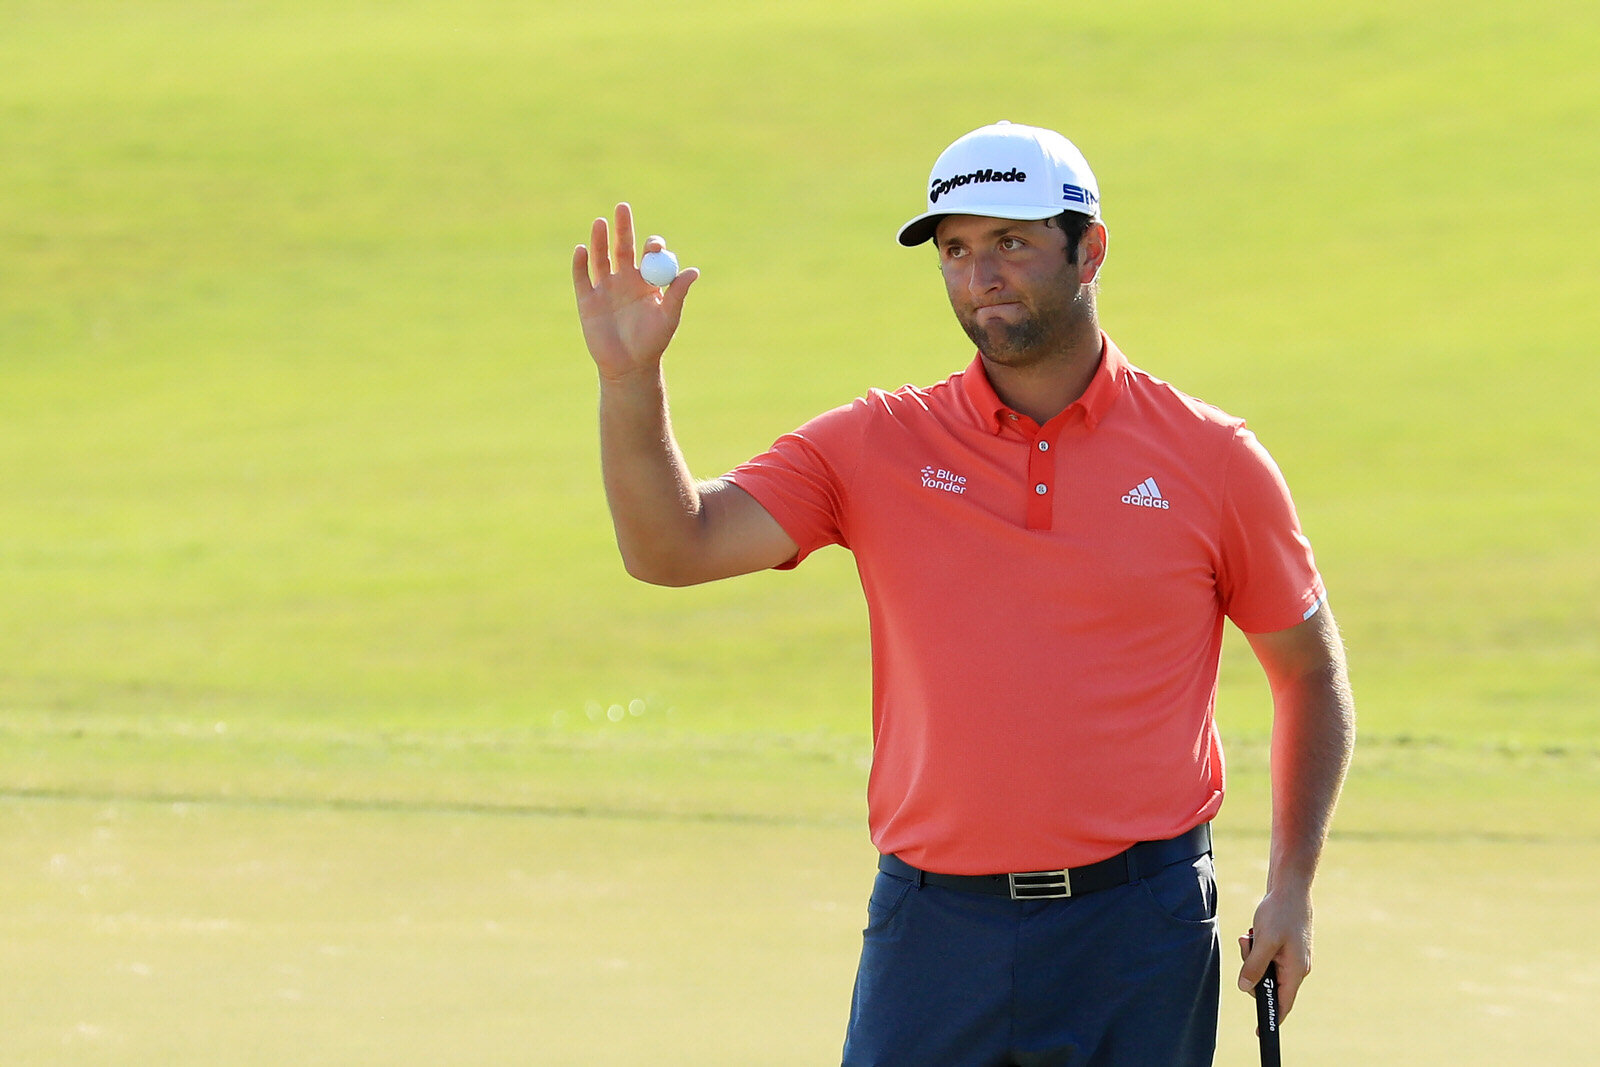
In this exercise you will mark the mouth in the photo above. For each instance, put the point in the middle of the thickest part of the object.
(1001, 309)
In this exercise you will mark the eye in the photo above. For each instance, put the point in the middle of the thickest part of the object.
(954, 251)
(1011, 243)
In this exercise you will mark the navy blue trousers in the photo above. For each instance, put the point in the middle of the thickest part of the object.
(1126, 977)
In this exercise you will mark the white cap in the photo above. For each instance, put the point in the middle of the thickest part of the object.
(1006, 171)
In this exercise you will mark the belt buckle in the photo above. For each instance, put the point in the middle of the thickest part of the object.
(1041, 885)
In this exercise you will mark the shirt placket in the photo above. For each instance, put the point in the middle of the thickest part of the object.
(1040, 484)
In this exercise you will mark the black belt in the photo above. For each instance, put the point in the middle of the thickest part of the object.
(1140, 861)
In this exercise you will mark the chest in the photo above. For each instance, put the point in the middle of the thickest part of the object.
(1096, 518)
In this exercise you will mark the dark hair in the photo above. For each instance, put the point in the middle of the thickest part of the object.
(1074, 224)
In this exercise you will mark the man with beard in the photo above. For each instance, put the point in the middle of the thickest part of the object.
(1049, 542)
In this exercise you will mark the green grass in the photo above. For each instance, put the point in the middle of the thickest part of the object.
(297, 421)
(306, 577)
(206, 933)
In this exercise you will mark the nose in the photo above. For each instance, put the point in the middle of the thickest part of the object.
(983, 274)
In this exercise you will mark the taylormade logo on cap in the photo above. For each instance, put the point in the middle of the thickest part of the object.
(1006, 171)
(941, 187)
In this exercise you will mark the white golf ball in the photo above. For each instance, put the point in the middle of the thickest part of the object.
(659, 268)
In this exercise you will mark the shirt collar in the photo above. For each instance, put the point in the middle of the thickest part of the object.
(1096, 400)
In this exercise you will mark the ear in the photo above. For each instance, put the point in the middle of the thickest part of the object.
(1092, 252)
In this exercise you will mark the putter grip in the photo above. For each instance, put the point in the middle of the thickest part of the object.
(1267, 1016)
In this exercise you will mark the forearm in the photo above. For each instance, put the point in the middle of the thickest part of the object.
(655, 505)
(1313, 734)
(1312, 740)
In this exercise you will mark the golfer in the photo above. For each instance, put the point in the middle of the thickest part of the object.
(1049, 541)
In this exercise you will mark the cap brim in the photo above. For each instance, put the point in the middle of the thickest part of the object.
(921, 228)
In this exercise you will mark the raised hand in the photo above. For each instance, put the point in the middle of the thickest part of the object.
(627, 322)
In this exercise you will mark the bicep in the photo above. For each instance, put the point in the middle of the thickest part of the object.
(1309, 651)
(739, 536)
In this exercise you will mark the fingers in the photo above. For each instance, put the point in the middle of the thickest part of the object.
(610, 256)
(1291, 970)
(1289, 979)
(600, 248)
(623, 252)
(581, 285)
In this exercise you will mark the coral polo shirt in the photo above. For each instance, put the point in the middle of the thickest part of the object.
(1046, 605)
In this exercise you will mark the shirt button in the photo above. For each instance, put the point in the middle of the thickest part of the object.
(1041, 489)
(1044, 446)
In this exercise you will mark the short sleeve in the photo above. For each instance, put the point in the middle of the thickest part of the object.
(1267, 578)
(803, 479)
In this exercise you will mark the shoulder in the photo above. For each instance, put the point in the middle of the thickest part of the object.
(913, 399)
(909, 405)
(1159, 410)
(874, 416)
(1157, 397)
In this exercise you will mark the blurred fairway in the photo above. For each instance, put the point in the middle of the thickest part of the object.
(331, 730)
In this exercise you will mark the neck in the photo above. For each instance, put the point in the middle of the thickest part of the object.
(1044, 387)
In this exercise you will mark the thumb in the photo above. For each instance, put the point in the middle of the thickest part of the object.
(673, 296)
(1255, 961)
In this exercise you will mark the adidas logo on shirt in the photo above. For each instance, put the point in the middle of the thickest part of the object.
(1146, 495)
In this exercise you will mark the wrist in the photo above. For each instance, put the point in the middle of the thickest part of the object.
(643, 379)
(1289, 882)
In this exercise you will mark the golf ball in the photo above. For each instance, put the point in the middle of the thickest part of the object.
(659, 268)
